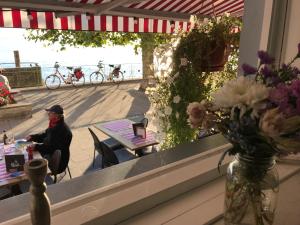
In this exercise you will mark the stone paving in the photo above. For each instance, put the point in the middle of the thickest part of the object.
(84, 107)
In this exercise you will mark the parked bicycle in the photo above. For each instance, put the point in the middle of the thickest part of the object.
(115, 75)
(75, 77)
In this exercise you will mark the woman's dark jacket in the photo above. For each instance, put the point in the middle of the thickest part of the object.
(57, 137)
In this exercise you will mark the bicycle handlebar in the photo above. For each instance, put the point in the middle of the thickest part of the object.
(56, 65)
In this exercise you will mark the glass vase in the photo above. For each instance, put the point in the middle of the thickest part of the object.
(251, 191)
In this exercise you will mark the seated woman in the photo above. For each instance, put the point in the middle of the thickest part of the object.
(57, 136)
(4, 80)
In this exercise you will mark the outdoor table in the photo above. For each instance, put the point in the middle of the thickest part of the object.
(7, 178)
(122, 131)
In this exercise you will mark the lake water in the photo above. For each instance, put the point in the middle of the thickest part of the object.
(46, 56)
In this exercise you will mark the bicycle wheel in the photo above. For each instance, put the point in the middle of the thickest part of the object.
(78, 82)
(118, 78)
(96, 78)
(52, 82)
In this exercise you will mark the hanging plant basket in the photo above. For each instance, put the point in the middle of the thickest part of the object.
(207, 46)
(204, 53)
(217, 58)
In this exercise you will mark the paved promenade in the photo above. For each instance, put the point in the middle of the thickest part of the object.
(83, 107)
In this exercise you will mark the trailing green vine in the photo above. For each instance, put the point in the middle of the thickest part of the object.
(189, 79)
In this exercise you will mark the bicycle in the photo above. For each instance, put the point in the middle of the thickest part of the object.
(98, 76)
(75, 77)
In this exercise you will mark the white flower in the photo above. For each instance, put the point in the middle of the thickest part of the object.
(257, 93)
(155, 95)
(183, 61)
(176, 99)
(177, 115)
(176, 75)
(159, 113)
(243, 91)
(155, 122)
(169, 80)
(168, 110)
(205, 21)
(161, 136)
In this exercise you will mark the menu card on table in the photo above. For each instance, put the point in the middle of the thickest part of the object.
(139, 130)
(14, 162)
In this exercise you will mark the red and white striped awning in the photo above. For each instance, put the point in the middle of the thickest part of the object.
(158, 16)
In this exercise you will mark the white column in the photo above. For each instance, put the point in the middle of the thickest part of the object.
(292, 32)
(255, 32)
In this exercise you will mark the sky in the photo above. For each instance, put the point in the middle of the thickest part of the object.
(13, 39)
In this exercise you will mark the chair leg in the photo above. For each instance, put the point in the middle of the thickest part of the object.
(55, 179)
(94, 158)
(69, 172)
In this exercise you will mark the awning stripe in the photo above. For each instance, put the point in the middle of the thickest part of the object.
(159, 3)
(229, 7)
(103, 23)
(179, 3)
(183, 7)
(169, 6)
(1, 19)
(34, 21)
(236, 9)
(143, 5)
(16, 18)
(47, 20)
(205, 8)
(162, 6)
(64, 23)
(78, 23)
(125, 22)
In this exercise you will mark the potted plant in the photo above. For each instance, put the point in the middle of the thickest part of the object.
(208, 44)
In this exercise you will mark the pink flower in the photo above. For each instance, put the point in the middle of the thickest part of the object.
(271, 122)
(196, 112)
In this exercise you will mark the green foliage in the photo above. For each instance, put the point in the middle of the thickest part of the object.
(190, 81)
(96, 39)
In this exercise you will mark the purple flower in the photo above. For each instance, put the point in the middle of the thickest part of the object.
(248, 69)
(284, 66)
(264, 57)
(273, 80)
(298, 106)
(288, 109)
(279, 95)
(266, 72)
(295, 71)
(295, 88)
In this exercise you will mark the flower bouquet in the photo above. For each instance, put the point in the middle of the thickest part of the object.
(5, 96)
(259, 113)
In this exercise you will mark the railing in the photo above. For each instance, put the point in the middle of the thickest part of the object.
(130, 70)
